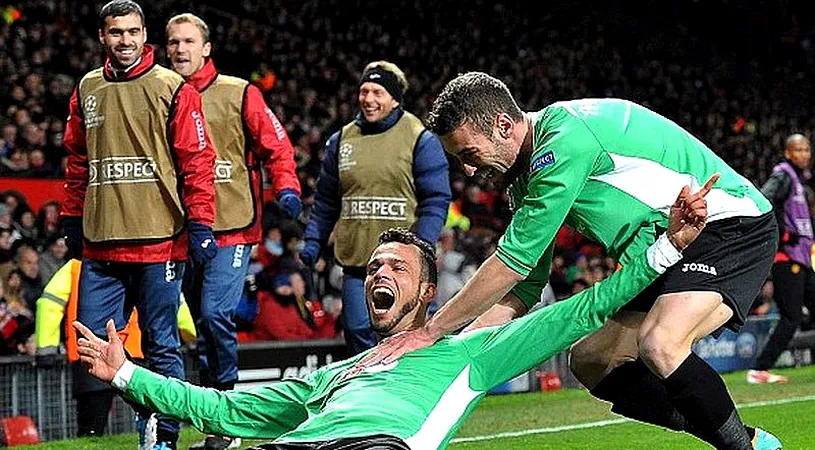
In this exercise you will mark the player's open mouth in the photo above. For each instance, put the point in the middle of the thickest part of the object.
(383, 299)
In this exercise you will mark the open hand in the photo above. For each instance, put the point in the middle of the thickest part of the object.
(102, 359)
(689, 214)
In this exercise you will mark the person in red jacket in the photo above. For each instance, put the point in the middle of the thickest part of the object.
(246, 135)
(284, 314)
(140, 193)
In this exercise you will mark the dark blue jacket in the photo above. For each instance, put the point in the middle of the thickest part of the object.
(430, 176)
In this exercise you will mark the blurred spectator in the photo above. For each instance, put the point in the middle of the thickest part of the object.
(48, 221)
(28, 261)
(27, 229)
(286, 314)
(53, 257)
(14, 291)
(451, 266)
(579, 285)
(6, 252)
(5, 217)
(16, 326)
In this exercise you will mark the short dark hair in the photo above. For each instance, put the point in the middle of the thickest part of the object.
(473, 97)
(428, 253)
(119, 8)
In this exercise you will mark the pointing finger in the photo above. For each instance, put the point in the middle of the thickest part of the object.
(709, 184)
(84, 331)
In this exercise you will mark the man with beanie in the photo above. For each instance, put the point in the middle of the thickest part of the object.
(382, 170)
(246, 135)
(792, 269)
(140, 195)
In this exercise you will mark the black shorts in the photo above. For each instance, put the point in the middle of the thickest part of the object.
(731, 256)
(373, 442)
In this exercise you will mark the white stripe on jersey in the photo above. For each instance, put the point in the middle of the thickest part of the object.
(446, 414)
(657, 187)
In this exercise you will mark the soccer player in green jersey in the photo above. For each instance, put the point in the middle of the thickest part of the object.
(609, 168)
(419, 401)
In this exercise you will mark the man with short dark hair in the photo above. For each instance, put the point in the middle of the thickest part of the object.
(608, 168)
(792, 275)
(139, 194)
(432, 391)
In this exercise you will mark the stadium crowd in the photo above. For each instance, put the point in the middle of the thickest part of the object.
(741, 89)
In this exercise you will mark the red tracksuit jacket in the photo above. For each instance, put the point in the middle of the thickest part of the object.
(195, 171)
(269, 144)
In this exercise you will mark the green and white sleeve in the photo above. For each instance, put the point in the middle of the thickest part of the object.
(559, 169)
(262, 413)
(500, 353)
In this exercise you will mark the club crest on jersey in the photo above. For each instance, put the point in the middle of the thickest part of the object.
(544, 160)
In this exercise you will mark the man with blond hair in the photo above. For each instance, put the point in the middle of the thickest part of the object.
(246, 134)
(384, 169)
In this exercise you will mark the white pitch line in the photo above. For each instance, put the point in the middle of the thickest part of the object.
(605, 423)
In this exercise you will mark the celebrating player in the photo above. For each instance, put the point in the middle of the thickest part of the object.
(432, 390)
(609, 169)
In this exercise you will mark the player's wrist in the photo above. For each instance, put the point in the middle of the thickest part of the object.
(432, 331)
(674, 242)
(663, 253)
(123, 375)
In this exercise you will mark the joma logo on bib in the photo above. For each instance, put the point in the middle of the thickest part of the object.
(199, 130)
(121, 170)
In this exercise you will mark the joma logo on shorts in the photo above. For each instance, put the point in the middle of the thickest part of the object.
(699, 267)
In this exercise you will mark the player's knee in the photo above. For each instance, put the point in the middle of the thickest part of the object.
(662, 350)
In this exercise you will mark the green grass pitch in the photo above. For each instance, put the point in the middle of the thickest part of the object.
(571, 419)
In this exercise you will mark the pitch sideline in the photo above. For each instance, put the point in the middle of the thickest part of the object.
(605, 423)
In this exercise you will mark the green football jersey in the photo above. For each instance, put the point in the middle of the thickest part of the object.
(421, 398)
(611, 169)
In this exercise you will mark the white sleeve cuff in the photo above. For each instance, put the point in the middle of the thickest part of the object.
(123, 375)
(662, 254)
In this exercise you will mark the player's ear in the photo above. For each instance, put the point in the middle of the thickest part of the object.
(428, 292)
(207, 49)
(505, 125)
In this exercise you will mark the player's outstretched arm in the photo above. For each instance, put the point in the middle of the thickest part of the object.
(503, 352)
(263, 413)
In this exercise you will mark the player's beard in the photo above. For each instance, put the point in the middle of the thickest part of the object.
(519, 165)
(384, 328)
